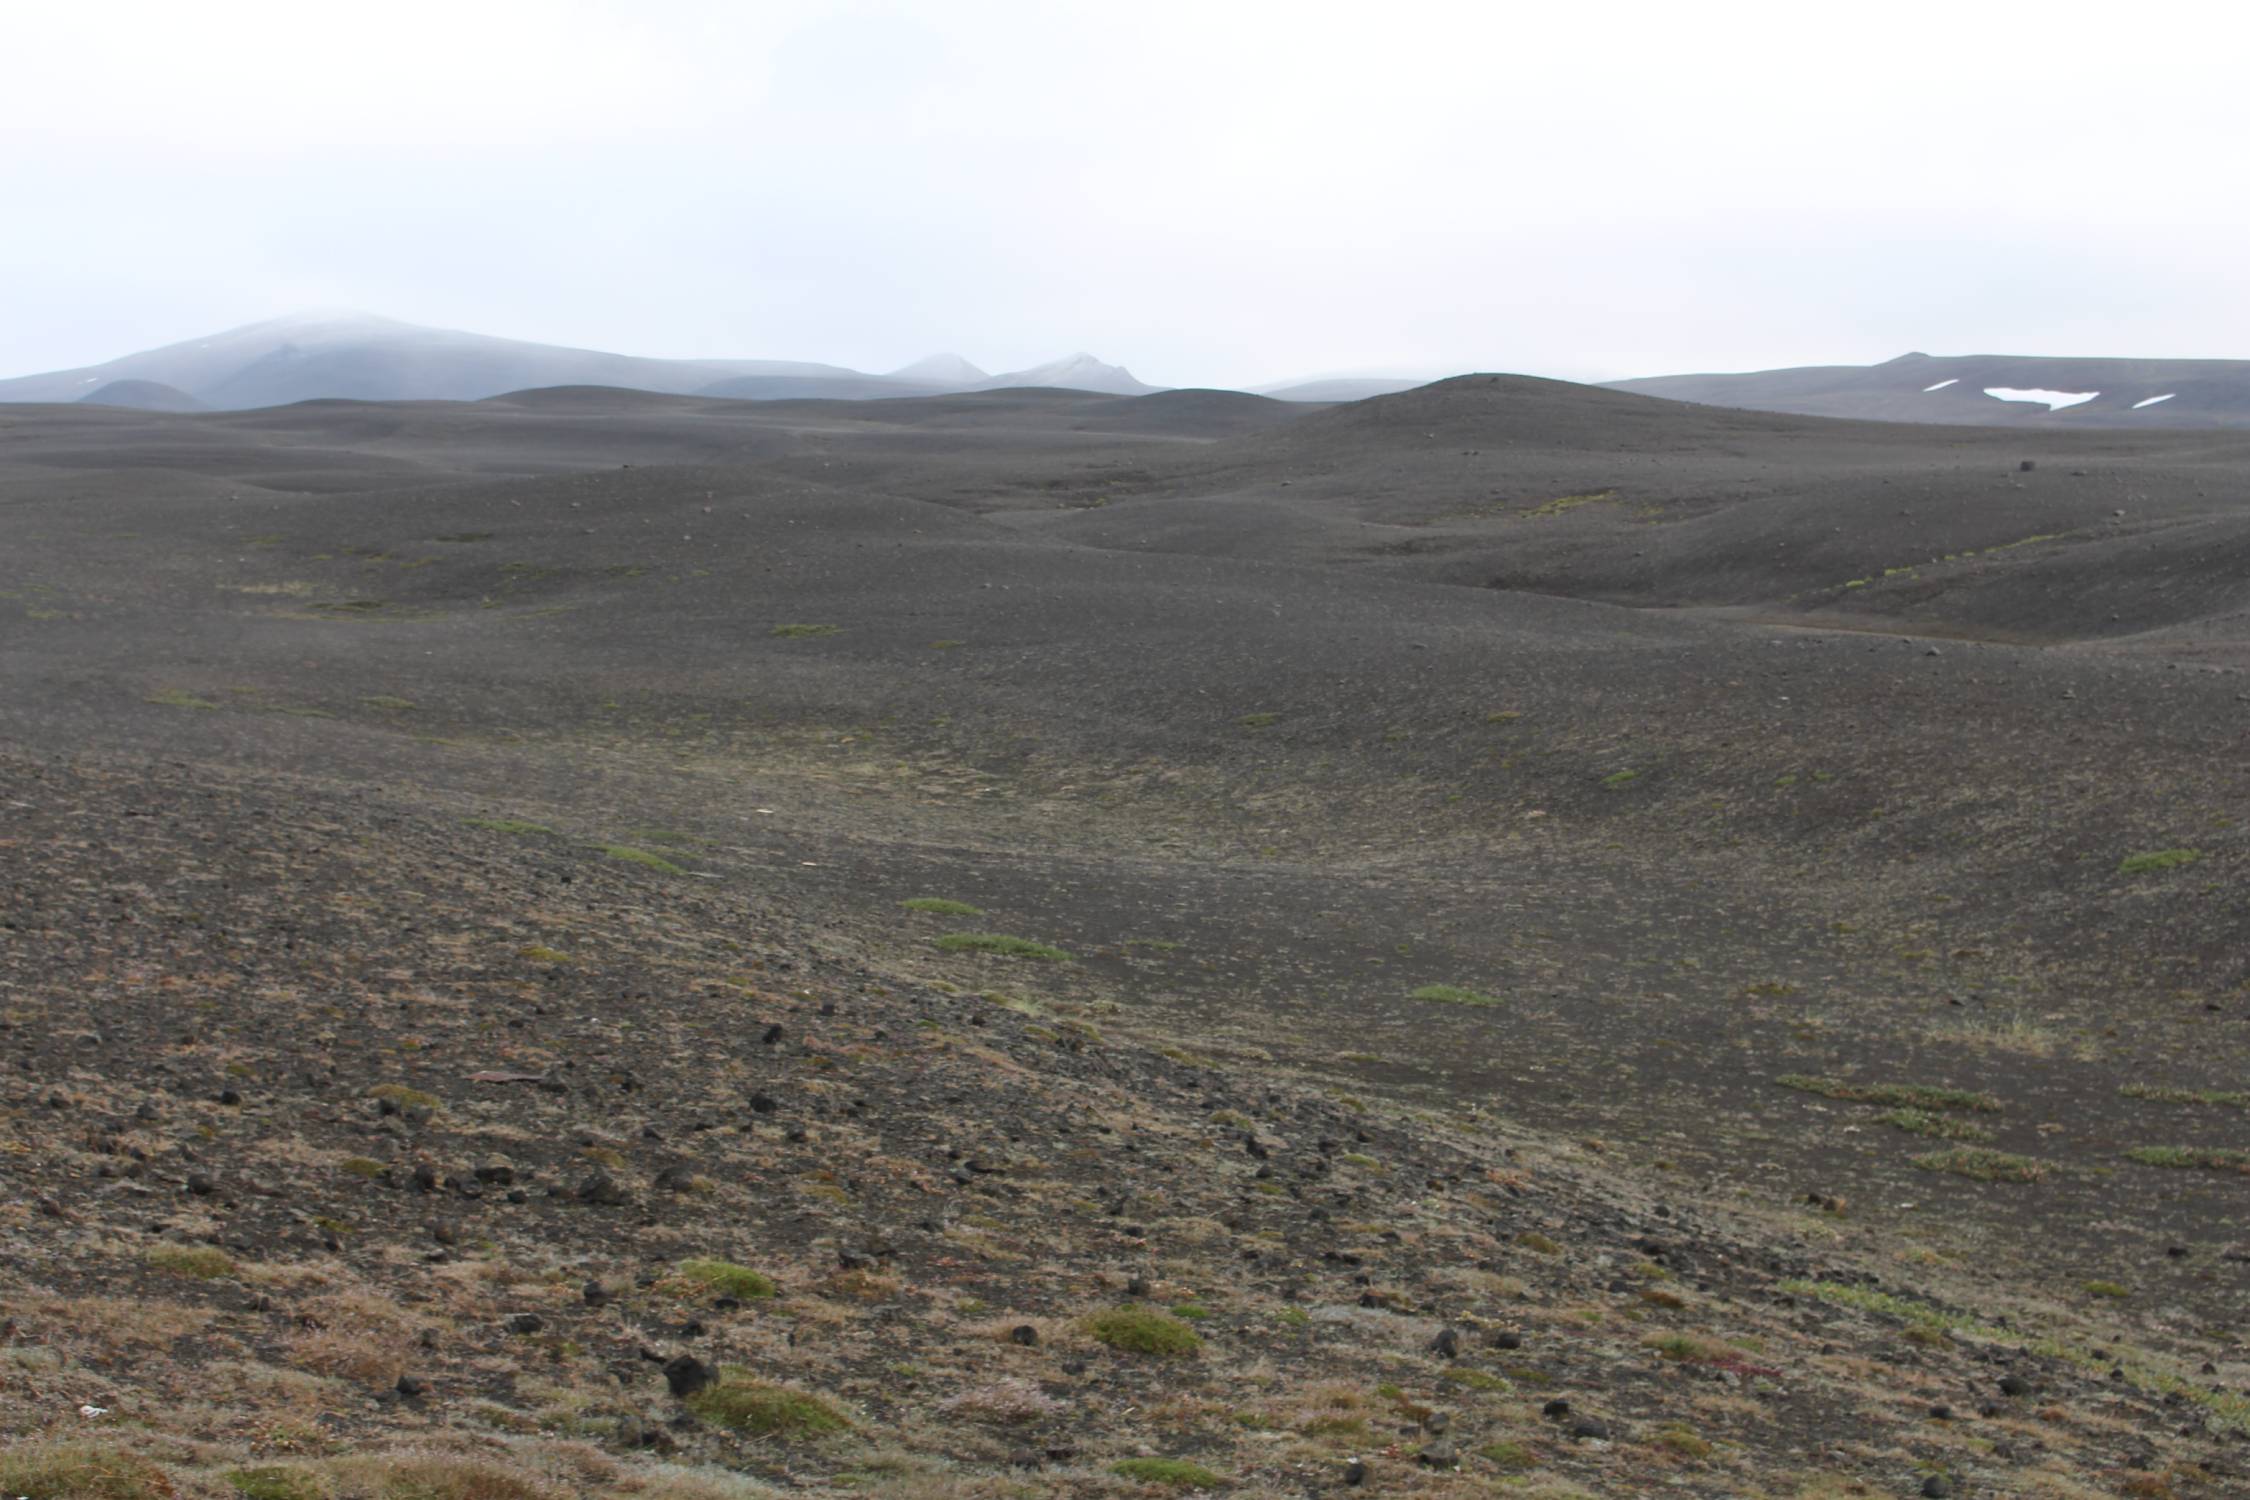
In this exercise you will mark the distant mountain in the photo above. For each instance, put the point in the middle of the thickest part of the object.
(358, 356)
(1076, 372)
(1986, 390)
(943, 371)
(367, 358)
(142, 395)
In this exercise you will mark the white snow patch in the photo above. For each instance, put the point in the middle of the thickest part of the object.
(1941, 385)
(2151, 401)
(89, 380)
(2052, 400)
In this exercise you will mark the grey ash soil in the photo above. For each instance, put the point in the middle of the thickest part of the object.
(589, 735)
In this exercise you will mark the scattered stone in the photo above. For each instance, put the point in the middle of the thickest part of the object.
(601, 1190)
(685, 1375)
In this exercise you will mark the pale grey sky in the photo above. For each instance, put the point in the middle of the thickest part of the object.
(1208, 191)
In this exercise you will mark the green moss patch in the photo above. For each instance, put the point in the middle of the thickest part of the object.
(1178, 1473)
(942, 907)
(1452, 994)
(197, 1262)
(1144, 1330)
(2157, 859)
(729, 1279)
(767, 1409)
(634, 856)
(278, 1482)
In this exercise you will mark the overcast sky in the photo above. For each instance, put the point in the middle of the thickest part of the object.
(1215, 192)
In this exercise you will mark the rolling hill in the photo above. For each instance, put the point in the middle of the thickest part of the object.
(2137, 393)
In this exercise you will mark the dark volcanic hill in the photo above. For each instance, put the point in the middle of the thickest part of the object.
(2135, 393)
(143, 395)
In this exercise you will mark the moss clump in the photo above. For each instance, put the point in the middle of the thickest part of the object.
(1000, 943)
(2208, 1158)
(1144, 1330)
(804, 632)
(362, 1166)
(198, 1262)
(1176, 1472)
(640, 857)
(1983, 1164)
(729, 1279)
(276, 1482)
(540, 953)
(82, 1471)
(1902, 1095)
(943, 907)
(406, 1098)
(1621, 778)
(770, 1410)
(1453, 994)
(1259, 721)
(175, 698)
(2157, 859)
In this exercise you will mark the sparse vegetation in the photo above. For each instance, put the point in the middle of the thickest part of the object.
(1900, 1095)
(2230, 1098)
(2205, 1158)
(1001, 944)
(803, 632)
(1931, 1123)
(179, 698)
(81, 1471)
(1983, 1164)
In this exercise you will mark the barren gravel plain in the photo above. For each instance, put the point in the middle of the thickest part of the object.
(1507, 939)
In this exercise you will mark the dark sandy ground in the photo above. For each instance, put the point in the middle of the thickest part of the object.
(1684, 751)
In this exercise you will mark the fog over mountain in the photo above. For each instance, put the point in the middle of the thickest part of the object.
(358, 356)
